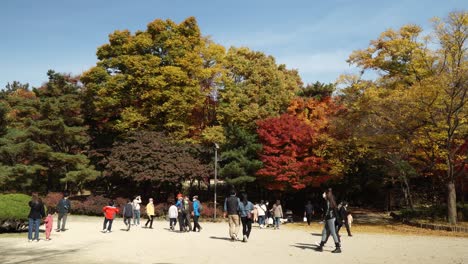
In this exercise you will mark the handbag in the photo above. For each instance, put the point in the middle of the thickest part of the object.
(249, 215)
(305, 219)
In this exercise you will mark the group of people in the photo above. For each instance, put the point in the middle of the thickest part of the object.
(37, 213)
(241, 210)
(180, 211)
(335, 216)
(131, 214)
(238, 210)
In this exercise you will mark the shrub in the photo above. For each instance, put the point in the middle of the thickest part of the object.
(51, 200)
(160, 210)
(430, 212)
(14, 206)
(91, 206)
(14, 210)
(208, 211)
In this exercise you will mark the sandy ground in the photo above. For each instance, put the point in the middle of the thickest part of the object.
(84, 243)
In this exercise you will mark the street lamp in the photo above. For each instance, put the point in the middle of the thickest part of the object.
(215, 176)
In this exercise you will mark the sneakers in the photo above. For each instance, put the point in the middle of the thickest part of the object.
(245, 239)
(57, 230)
(30, 240)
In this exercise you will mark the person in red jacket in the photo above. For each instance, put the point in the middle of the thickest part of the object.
(109, 214)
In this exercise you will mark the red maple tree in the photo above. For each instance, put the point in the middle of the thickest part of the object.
(288, 154)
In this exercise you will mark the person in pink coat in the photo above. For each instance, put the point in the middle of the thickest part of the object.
(49, 222)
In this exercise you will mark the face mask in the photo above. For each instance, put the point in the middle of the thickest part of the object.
(324, 195)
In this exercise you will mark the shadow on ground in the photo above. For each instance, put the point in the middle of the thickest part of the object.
(34, 255)
(220, 238)
(304, 246)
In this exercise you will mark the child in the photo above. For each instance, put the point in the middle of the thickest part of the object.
(128, 214)
(173, 213)
(109, 214)
(49, 221)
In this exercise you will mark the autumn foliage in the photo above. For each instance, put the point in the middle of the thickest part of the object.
(288, 154)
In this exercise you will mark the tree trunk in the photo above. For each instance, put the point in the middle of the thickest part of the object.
(451, 203)
(462, 188)
(408, 190)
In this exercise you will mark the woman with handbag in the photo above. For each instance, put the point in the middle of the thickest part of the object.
(246, 213)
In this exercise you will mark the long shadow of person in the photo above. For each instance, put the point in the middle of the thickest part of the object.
(220, 238)
(304, 246)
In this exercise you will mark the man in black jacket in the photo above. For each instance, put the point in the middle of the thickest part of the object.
(231, 210)
(343, 213)
(308, 212)
(63, 207)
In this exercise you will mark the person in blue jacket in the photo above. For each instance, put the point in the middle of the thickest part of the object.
(196, 214)
(245, 211)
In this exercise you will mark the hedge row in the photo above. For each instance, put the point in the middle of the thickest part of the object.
(433, 212)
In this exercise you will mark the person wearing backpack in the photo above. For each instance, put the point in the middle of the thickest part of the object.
(197, 208)
(128, 214)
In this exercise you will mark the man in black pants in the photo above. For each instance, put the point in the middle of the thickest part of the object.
(196, 214)
(181, 209)
(309, 211)
(343, 212)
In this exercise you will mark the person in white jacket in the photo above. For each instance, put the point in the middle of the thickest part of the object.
(261, 208)
(136, 210)
(173, 214)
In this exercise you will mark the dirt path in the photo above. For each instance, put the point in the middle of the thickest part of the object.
(84, 243)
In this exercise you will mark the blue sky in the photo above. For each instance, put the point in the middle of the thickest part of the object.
(314, 37)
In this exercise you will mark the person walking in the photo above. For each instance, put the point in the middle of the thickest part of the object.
(36, 213)
(277, 212)
(150, 213)
(63, 207)
(261, 209)
(180, 212)
(109, 214)
(197, 207)
(187, 213)
(231, 210)
(128, 214)
(343, 213)
(329, 222)
(136, 210)
(255, 215)
(49, 222)
(308, 212)
(173, 214)
(246, 213)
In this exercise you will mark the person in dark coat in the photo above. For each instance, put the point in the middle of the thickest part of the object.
(63, 207)
(329, 222)
(36, 213)
(308, 212)
(343, 213)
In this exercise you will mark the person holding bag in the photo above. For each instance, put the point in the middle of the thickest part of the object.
(246, 213)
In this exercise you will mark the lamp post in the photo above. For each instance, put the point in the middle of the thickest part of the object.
(215, 176)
